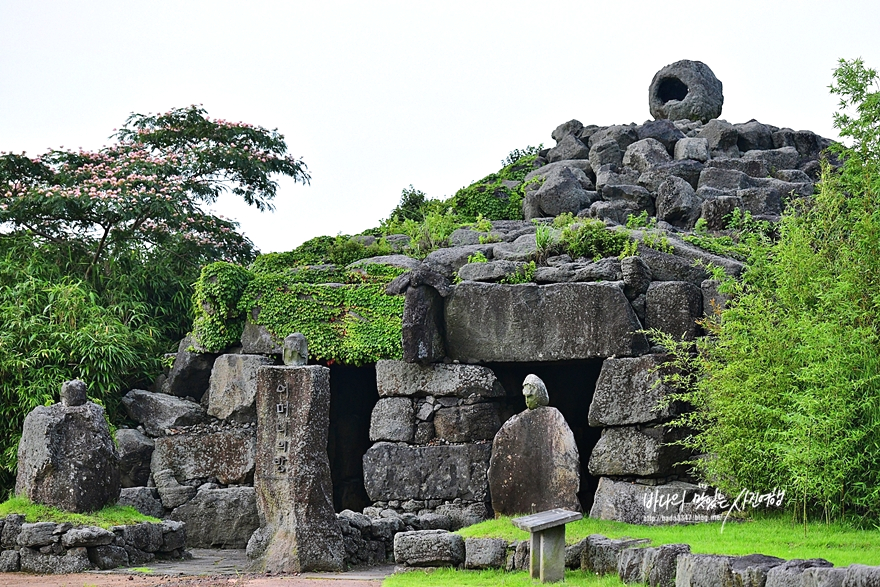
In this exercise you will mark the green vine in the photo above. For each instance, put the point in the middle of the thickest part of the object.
(345, 314)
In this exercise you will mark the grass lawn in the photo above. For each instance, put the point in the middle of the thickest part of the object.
(113, 515)
(772, 535)
(450, 577)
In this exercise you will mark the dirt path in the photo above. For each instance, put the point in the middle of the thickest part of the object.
(121, 580)
(207, 568)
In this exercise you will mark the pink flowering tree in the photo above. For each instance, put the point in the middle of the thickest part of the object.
(131, 220)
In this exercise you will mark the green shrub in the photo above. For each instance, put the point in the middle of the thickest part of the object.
(524, 274)
(787, 393)
(590, 238)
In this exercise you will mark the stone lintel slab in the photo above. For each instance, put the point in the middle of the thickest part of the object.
(530, 322)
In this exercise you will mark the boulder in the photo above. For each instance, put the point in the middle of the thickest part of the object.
(572, 127)
(400, 471)
(143, 499)
(563, 190)
(636, 451)
(490, 271)
(485, 553)
(775, 159)
(528, 322)
(662, 130)
(569, 147)
(753, 167)
(87, 536)
(423, 326)
(108, 557)
(10, 561)
(449, 260)
(613, 212)
(636, 276)
(861, 576)
(232, 390)
(634, 503)
(75, 560)
(401, 261)
(790, 573)
(724, 179)
(636, 195)
(294, 491)
(145, 537)
(535, 464)
(722, 137)
(219, 518)
(692, 148)
(66, 458)
(429, 548)
(393, 419)
(601, 555)
(524, 248)
(227, 455)
(629, 391)
(753, 136)
(687, 169)
(645, 154)
(615, 175)
(605, 152)
(653, 566)
(709, 570)
(398, 378)
(467, 423)
(191, 371)
(171, 493)
(461, 515)
(685, 89)
(40, 534)
(11, 529)
(607, 269)
(674, 307)
(671, 267)
(469, 236)
(257, 340)
(678, 203)
(135, 452)
(716, 211)
(624, 134)
(158, 411)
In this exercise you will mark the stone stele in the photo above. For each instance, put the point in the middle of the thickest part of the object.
(66, 457)
(292, 476)
(534, 464)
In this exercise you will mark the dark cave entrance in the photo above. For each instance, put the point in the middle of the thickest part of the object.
(670, 89)
(353, 394)
(571, 385)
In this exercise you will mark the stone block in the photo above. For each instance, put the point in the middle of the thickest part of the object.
(528, 322)
(429, 548)
(535, 464)
(232, 388)
(143, 499)
(38, 534)
(423, 326)
(67, 459)
(228, 455)
(159, 411)
(76, 560)
(190, 372)
(87, 536)
(10, 561)
(467, 423)
(108, 557)
(402, 379)
(257, 340)
(654, 566)
(635, 503)
(707, 570)
(601, 555)
(692, 148)
(399, 471)
(861, 576)
(218, 518)
(485, 553)
(629, 391)
(393, 419)
(135, 452)
(637, 451)
(791, 573)
(674, 307)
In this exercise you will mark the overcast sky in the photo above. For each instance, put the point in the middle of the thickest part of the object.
(376, 96)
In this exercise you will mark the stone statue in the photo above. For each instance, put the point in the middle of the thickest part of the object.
(535, 392)
(296, 350)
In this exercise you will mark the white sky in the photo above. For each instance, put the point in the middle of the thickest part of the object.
(377, 95)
